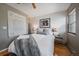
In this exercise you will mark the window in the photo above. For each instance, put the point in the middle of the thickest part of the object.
(72, 21)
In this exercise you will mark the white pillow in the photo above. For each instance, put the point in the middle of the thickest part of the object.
(45, 31)
(48, 31)
(23, 37)
(40, 31)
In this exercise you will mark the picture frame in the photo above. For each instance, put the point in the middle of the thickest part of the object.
(45, 23)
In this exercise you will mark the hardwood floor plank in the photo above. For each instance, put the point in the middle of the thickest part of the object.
(4, 53)
(62, 50)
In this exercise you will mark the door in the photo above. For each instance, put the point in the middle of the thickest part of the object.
(17, 24)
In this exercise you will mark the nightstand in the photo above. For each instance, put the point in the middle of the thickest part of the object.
(62, 40)
(58, 40)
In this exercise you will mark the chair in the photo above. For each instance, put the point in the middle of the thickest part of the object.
(61, 38)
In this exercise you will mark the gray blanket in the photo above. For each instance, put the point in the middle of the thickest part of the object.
(26, 47)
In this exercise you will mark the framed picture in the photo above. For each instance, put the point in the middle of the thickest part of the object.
(45, 23)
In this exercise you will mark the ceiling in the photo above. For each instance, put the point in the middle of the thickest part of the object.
(41, 8)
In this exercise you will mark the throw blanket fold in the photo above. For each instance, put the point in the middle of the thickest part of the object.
(26, 47)
(33, 46)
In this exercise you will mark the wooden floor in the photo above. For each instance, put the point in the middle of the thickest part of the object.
(61, 50)
(4, 53)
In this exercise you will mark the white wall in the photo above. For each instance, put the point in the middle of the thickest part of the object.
(58, 20)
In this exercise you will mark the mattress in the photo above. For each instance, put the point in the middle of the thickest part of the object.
(45, 43)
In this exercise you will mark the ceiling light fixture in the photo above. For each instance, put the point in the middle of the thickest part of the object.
(33, 5)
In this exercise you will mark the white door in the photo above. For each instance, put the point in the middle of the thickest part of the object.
(17, 24)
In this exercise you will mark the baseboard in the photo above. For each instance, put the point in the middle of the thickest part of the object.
(73, 50)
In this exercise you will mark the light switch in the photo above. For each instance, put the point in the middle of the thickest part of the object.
(4, 27)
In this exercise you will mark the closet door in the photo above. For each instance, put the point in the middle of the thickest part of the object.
(16, 24)
(19, 26)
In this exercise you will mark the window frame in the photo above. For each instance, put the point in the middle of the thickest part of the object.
(72, 13)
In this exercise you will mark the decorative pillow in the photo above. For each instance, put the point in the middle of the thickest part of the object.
(40, 31)
(47, 31)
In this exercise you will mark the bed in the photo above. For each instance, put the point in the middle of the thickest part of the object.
(45, 43)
